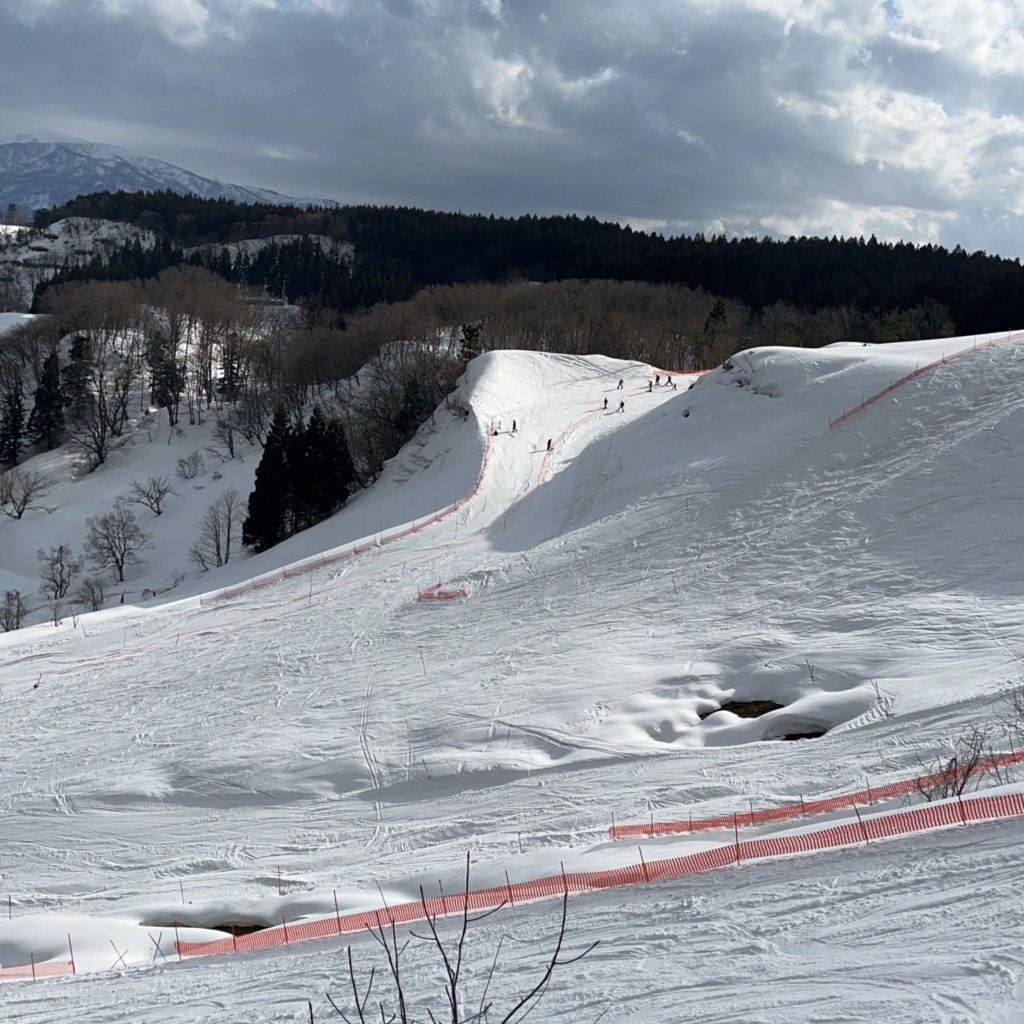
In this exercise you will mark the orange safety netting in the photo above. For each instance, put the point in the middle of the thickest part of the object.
(805, 807)
(917, 373)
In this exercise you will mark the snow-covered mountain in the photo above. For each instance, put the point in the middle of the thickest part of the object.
(328, 742)
(43, 172)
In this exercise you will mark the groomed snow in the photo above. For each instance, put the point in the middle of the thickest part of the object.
(331, 734)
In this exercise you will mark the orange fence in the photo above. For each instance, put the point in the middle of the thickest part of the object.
(34, 971)
(309, 564)
(931, 816)
(865, 829)
(805, 807)
(917, 373)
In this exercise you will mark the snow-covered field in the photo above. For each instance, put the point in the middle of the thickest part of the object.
(330, 734)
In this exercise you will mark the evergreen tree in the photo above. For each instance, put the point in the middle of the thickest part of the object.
(270, 502)
(46, 421)
(343, 471)
(329, 471)
(76, 376)
(12, 424)
(167, 378)
(299, 478)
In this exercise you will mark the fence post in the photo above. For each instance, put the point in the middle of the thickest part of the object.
(511, 901)
(960, 804)
(177, 944)
(32, 959)
(284, 925)
(736, 833)
(868, 781)
(565, 881)
(71, 950)
(337, 912)
(643, 865)
(863, 829)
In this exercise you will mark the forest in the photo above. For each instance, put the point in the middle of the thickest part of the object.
(328, 338)
(399, 251)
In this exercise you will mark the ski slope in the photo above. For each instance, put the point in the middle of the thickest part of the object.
(247, 760)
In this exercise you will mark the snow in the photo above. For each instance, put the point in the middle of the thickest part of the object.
(246, 761)
(29, 256)
(47, 169)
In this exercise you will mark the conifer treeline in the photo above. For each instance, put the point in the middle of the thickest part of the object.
(305, 474)
(399, 250)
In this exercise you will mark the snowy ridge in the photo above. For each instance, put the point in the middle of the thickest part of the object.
(44, 173)
(325, 735)
(29, 256)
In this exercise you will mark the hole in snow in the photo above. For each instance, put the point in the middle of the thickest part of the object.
(745, 708)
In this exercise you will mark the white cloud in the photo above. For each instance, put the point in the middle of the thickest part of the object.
(750, 114)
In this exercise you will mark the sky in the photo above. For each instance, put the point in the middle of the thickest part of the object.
(899, 118)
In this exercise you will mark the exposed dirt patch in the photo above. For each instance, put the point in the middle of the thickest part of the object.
(188, 921)
(746, 708)
(804, 735)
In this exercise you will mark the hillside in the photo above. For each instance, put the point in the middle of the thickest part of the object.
(36, 173)
(201, 760)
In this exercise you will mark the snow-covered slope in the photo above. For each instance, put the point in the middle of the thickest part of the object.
(38, 173)
(29, 256)
(182, 760)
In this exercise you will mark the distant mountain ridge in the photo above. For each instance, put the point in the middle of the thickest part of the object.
(45, 171)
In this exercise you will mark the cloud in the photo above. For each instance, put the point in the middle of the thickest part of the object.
(899, 118)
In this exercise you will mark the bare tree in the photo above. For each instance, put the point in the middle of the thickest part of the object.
(105, 317)
(12, 610)
(971, 760)
(114, 540)
(58, 569)
(395, 1006)
(217, 531)
(91, 594)
(190, 467)
(251, 417)
(22, 489)
(151, 493)
(1013, 712)
(225, 443)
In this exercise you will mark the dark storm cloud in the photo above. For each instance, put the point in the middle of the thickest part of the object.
(746, 116)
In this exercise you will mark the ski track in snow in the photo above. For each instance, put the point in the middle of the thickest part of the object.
(649, 567)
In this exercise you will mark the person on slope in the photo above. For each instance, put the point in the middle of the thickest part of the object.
(606, 403)
(650, 385)
(513, 426)
(549, 444)
(619, 388)
(622, 407)
(657, 380)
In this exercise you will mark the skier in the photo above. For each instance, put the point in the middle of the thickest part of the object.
(622, 407)
(657, 380)
(513, 426)
(650, 386)
(606, 403)
(619, 388)
(668, 380)
(549, 444)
